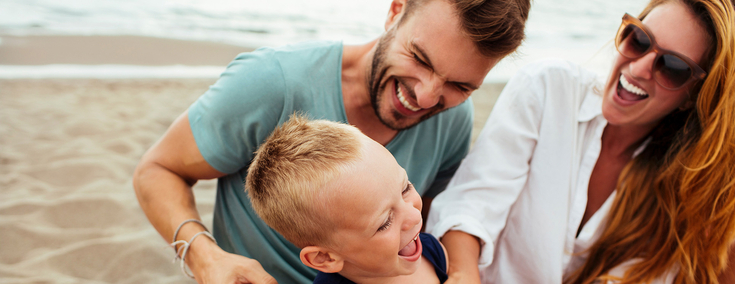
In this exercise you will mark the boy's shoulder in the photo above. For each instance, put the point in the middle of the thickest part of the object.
(433, 251)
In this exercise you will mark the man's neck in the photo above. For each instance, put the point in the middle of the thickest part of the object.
(356, 64)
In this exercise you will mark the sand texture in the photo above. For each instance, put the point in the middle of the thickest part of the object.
(68, 148)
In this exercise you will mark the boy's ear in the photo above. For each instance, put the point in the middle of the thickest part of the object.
(395, 13)
(322, 259)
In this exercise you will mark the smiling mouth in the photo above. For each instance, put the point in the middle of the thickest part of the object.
(403, 100)
(630, 92)
(412, 251)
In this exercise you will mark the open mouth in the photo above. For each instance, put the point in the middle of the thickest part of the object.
(630, 92)
(404, 102)
(412, 251)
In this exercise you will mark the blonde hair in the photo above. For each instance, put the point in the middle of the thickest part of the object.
(291, 168)
(675, 207)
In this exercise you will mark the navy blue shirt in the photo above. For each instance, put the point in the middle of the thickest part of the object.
(431, 251)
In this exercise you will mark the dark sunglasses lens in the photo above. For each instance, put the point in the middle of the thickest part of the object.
(671, 71)
(633, 41)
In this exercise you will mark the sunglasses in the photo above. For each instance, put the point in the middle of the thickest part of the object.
(671, 69)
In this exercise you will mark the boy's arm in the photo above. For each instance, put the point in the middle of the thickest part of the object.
(462, 251)
(162, 183)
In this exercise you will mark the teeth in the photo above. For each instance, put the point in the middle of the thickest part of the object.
(631, 88)
(416, 238)
(403, 100)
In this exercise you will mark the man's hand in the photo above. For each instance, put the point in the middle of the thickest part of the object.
(221, 267)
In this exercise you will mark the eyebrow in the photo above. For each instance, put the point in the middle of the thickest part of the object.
(426, 58)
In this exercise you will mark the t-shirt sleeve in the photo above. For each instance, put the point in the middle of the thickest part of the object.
(239, 111)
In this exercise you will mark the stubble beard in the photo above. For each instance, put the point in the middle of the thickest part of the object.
(377, 84)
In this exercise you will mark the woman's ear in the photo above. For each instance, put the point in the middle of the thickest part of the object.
(686, 105)
(397, 7)
(322, 259)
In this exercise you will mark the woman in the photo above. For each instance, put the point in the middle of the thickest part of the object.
(633, 182)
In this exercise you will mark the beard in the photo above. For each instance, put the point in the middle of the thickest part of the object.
(377, 84)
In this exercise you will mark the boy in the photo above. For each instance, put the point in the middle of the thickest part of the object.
(344, 200)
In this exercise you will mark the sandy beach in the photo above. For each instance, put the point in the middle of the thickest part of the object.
(68, 148)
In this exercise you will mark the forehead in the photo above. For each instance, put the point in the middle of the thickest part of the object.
(436, 29)
(676, 28)
(363, 191)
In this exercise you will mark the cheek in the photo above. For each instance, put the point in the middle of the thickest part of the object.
(676, 100)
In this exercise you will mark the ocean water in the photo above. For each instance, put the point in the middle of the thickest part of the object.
(577, 30)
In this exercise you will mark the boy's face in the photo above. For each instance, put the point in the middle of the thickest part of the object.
(377, 213)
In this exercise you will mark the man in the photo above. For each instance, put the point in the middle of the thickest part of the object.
(404, 90)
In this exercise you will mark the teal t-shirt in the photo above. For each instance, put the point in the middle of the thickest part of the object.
(259, 91)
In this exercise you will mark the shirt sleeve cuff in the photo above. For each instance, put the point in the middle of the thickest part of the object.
(471, 226)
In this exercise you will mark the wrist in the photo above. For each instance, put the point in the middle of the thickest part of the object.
(202, 252)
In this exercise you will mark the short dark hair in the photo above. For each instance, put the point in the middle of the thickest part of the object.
(496, 26)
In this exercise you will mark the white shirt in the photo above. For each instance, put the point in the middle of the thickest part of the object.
(522, 189)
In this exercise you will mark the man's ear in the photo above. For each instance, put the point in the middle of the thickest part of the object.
(397, 7)
(321, 259)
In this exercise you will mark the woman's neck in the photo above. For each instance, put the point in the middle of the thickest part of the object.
(624, 140)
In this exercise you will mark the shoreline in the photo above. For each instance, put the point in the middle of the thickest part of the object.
(118, 50)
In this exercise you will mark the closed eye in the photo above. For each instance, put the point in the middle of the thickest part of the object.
(420, 61)
(387, 223)
(409, 186)
(462, 88)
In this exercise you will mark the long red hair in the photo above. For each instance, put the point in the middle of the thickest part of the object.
(675, 206)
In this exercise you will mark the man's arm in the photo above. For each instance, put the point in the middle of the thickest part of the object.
(163, 181)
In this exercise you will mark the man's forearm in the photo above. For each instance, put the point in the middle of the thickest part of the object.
(166, 199)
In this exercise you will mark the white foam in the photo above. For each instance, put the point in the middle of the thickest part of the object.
(108, 71)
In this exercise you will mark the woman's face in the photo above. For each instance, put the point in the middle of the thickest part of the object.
(632, 97)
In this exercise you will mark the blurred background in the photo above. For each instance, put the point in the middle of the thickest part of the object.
(575, 30)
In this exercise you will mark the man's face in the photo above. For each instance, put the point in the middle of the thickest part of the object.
(424, 65)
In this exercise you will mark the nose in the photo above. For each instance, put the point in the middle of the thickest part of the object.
(428, 91)
(413, 216)
(413, 219)
(641, 68)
